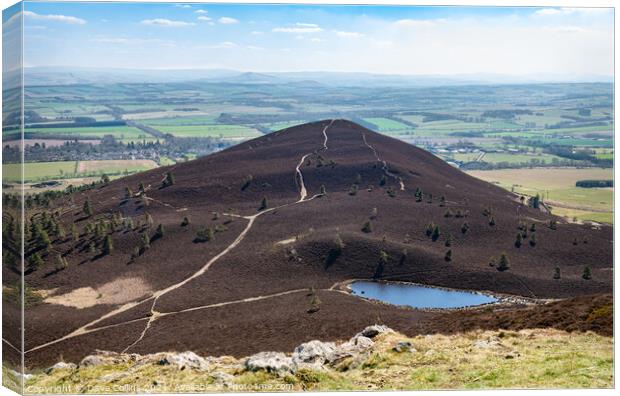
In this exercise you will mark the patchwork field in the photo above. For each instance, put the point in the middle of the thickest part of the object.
(557, 187)
(119, 132)
(41, 171)
(219, 131)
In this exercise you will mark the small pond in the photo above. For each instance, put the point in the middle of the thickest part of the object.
(417, 296)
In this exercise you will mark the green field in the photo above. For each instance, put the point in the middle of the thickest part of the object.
(177, 121)
(387, 124)
(42, 171)
(220, 131)
(119, 132)
(557, 187)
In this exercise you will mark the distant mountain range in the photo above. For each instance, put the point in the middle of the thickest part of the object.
(69, 75)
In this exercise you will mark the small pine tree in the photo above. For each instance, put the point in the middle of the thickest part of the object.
(75, 235)
(92, 248)
(141, 188)
(519, 240)
(448, 213)
(128, 193)
(448, 256)
(168, 180)
(353, 190)
(323, 190)
(159, 233)
(587, 273)
(148, 220)
(105, 179)
(263, 204)
(61, 263)
(533, 227)
(419, 195)
(464, 228)
(553, 224)
(135, 253)
(533, 240)
(556, 273)
(129, 224)
(383, 180)
(429, 229)
(35, 262)
(367, 227)
(358, 179)
(575, 242)
(185, 222)
(442, 201)
(504, 264)
(60, 231)
(108, 246)
(448, 240)
(145, 241)
(403, 257)
(492, 221)
(436, 233)
(87, 209)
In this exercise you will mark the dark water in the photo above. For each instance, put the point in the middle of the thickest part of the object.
(418, 296)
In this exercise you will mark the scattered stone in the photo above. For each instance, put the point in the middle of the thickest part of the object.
(512, 355)
(404, 346)
(61, 366)
(374, 330)
(313, 354)
(222, 379)
(272, 362)
(187, 359)
(489, 343)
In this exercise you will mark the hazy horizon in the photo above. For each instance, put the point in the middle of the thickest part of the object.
(376, 39)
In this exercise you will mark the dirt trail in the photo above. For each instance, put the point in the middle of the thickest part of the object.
(87, 328)
(385, 167)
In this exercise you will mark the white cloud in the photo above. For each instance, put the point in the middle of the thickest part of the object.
(55, 18)
(204, 18)
(130, 41)
(222, 45)
(201, 11)
(299, 28)
(254, 48)
(418, 23)
(316, 40)
(571, 11)
(227, 21)
(165, 22)
(256, 33)
(344, 34)
(183, 5)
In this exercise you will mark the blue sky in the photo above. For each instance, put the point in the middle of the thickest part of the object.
(379, 39)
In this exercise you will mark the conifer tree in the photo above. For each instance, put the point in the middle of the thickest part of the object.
(519, 240)
(145, 241)
(87, 209)
(322, 190)
(35, 262)
(556, 273)
(159, 233)
(263, 204)
(587, 273)
(448, 256)
(533, 240)
(367, 227)
(504, 264)
(61, 263)
(464, 228)
(185, 222)
(108, 245)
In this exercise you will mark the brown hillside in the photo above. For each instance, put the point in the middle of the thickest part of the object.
(262, 285)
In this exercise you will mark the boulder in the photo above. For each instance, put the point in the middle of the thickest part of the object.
(272, 362)
(185, 359)
(60, 366)
(374, 330)
(106, 357)
(404, 346)
(313, 354)
(489, 343)
(222, 379)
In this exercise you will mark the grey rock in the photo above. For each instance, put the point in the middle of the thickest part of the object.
(273, 362)
(374, 330)
(187, 359)
(60, 366)
(404, 346)
(223, 379)
(313, 354)
(489, 343)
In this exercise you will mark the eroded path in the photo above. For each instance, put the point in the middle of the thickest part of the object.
(385, 167)
(154, 315)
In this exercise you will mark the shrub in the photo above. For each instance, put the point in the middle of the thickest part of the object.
(145, 242)
(533, 227)
(556, 273)
(504, 264)
(367, 227)
(448, 213)
(35, 262)
(105, 179)
(128, 193)
(74, 233)
(204, 235)
(141, 188)
(403, 257)
(448, 256)
(358, 179)
(373, 213)
(391, 192)
(419, 195)
(492, 221)
(168, 180)
(442, 201)
(553, 224)
(246, 182)
(61, 263)
(429, 229)
(464, 228)
(575, 241)
(519, 240)
(185, 222)
(353, 189)
(159, 233)
(263, 204)
(323, 190)
(107, 245)
(87, 208)
(448, 240)
(533, 240)
(436, 233)
(383, 180)
(587, 273)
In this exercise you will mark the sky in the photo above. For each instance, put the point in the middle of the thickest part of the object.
(411, 40)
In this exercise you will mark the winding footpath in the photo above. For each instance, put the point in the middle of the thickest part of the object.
(154, 315)
(385, 167)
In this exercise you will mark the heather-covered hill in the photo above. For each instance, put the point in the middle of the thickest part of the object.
(276, 224)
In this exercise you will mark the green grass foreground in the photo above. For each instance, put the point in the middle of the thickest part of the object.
(540, 358)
